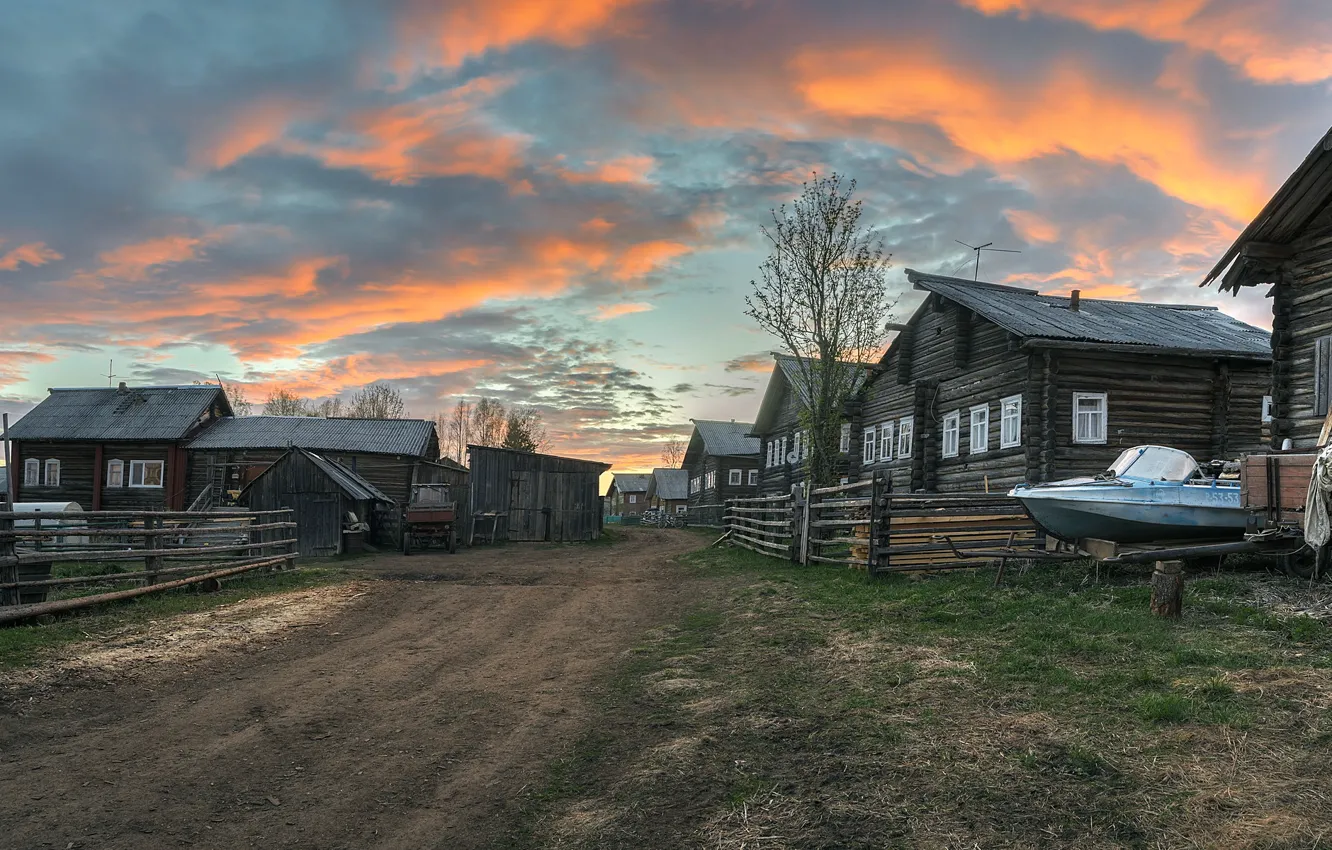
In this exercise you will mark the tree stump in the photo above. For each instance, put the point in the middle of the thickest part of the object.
(1168, 589)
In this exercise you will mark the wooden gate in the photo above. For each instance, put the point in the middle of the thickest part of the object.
(318, 522)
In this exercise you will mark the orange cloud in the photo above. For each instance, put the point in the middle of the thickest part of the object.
(1032, 227)
(1069, 110)
(646, 257)
(1250, 35)
(606, 312)
(14, 364)
(33, 254)
(136, 260)
(254, 126)
(625, 169)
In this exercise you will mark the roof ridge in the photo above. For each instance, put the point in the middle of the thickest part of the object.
(912, 276)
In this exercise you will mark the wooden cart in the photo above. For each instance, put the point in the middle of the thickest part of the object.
(431, 519)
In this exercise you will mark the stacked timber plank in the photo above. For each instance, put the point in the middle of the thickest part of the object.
(927, 532)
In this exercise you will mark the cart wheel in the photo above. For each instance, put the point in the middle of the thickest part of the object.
(406, 542)
(453, 540)
(1301, 564)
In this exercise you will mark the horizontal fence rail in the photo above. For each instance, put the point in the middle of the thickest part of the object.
(761, 524)
(186, 546)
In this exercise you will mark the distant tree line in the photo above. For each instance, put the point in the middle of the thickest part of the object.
(488, 423)
(373, 401)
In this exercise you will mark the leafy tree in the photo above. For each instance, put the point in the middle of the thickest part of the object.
(823, 294)
(524, 430)
(283, 402)
(376, 401)
(673, 452)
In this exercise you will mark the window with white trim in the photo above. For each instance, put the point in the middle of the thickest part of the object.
(1010, 422)
(952, 426)
(871, 445)
(52, 477)
(804, 445)
(695, 484)
(1089, 417)
(146, 473)
(1267, 408)
(845, 445)
(735, 477)
(886, 441)
(32, 472)
(797, 443)
(906, 433)
(679, 509)
(711, 482)
(115, 473)
(753, 478)
(980, 430)
(633, 498)
(781, 451)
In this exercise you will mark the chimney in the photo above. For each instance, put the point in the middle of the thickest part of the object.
(122, 388)
(1074, 299)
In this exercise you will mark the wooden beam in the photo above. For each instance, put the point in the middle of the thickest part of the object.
(1267, 251)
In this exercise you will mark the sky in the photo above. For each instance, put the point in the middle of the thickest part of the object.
(558, 203)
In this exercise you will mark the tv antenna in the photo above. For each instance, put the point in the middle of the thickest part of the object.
(110, 374)
(985, 247)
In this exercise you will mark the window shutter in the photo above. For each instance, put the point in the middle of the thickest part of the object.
(1322, 373)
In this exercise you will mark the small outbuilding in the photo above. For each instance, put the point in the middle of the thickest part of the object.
(525, 496)
(333, 505)
(669, 490)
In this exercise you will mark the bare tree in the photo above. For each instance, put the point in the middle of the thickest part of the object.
(489, 421)
(329, 408)
(283, 402)
(455, 428)
(673, 452)
(376, 401)
(524, 430)
(823, 294)
(240, 404)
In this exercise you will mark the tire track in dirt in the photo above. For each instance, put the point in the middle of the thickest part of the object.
(409, 718)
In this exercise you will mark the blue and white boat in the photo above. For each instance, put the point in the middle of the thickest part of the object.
(1150, 494)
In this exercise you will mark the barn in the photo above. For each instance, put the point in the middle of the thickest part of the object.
(331, 503)
(532, 496)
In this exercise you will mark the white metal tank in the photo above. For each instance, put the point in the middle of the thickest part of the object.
(56, 523)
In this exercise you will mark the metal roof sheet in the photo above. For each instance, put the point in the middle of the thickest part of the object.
(787, 373)
(631, 483)
(110, 413)
(670, 483)
(351, 483)
(726, 439)
(1029, 314)
(371, 436)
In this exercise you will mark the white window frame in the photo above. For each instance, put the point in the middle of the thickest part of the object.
(984, 422)
(845, 445)
(797, 443)
(804, 446)
(1005, 440)
(679, 509)
(735, 477)
(952, 428)
(1095, 440)
(753, 478)
(633, 498)
(886, 434)
(1267, 409)
(906, 433)
(32, 472)
(781, 452)
(51, 472)
(142, 467)
(115, 468)
(869, 447)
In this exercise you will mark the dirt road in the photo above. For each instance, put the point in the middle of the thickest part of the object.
(408, 717)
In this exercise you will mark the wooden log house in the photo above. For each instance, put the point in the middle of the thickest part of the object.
(1288, 247)
(723, 463)
(989, 386)
(669, 490)
(783, 440)
(112, 448)
(536, 496)
(628, 494)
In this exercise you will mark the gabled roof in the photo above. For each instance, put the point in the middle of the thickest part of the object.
(722, 439)
(347, 480)
(1256, 254)
(670, 484)
(369, 436)
(630, 483)
(1030, 315)
(119, 413)
(788, 375)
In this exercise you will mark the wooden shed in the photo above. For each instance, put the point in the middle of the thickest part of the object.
(536, 496)
(327, 499)
(990, 386)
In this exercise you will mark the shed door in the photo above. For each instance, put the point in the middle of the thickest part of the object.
(318, 523)
(526, 521)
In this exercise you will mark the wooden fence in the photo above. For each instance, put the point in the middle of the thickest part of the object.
(865, 526)
(176, 548)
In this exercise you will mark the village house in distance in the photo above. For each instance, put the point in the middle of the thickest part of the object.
(668, 490)
(990, 386)
(722, 460)
(784, 443)
(628, 494)
(1289, 246)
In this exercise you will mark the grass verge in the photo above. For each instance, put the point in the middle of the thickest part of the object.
(807, 708)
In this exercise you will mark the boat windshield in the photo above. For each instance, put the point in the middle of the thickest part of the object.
(1155, 463)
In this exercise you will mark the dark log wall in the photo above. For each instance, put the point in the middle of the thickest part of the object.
(1302, 313)
(530, 487)
(318, 503)
(778, 479)
(705, 463)
(392, 474)
(77, 474)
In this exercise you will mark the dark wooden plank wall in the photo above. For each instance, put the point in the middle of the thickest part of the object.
(779, 479)
(392, 474)
(522, 484)
(319, 503)
(718, 495)
(77, 474)
(1302, 313)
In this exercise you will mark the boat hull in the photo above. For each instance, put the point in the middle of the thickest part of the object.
(1137, 514)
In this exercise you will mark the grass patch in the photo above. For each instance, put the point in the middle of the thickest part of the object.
(28, 643)
(810, 707)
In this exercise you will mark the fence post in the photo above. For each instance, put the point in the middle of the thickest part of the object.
(152, 562)
(872, 555)
(8, 572)
(805, 497)
(793, 523)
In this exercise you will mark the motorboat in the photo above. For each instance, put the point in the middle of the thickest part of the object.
(1149, 494)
